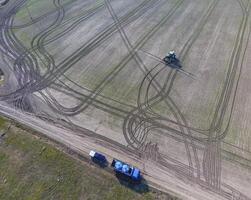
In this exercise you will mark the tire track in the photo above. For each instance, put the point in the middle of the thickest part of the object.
(170, 103)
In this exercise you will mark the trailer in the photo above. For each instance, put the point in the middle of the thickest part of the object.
(126, 170)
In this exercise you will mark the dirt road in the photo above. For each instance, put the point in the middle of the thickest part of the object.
(83, 143)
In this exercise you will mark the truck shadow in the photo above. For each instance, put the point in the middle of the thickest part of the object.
(102, 164)
(137, 186)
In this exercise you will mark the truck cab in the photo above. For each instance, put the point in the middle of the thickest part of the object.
(98, 158)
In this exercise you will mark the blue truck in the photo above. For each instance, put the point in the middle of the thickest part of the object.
(126, 170)
(122, 169)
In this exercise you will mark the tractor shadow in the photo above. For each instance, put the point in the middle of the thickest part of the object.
(176, 64)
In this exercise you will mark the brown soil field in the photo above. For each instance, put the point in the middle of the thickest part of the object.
(94, 65)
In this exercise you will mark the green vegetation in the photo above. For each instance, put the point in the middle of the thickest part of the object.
(234, 157)
(2, 122)
(34, 7)
(31, 169)
(37, 8)
(1, 81)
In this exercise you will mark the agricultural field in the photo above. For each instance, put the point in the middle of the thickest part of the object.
(89, 74)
